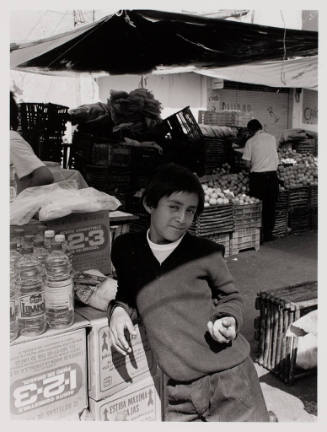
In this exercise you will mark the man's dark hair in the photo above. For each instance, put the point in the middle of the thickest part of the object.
(170, 178)
(254, 125)
(13, 112)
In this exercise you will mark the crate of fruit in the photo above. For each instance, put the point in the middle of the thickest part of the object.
(313, 196)
(278, 309)
(214, 219)
(248, 215)
(244, 238)
(299, 196)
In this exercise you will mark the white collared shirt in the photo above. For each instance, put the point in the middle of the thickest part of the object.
(261, 151)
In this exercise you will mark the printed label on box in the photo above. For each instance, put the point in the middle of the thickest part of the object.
(140, 403)
(48, 376)
(88, 237)
(114, 368)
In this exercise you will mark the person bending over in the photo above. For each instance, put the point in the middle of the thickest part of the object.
(29, 169)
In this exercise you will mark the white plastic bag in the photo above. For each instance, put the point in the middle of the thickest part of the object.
(305, 329)
(58, 200)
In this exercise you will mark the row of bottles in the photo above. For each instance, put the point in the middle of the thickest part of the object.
(41, 284)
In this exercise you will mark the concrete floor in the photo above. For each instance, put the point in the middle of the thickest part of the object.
(286, 261)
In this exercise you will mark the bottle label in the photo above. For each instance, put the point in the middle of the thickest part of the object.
(60, 295)
(31, 305)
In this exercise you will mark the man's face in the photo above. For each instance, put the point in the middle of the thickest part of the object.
(172, 217)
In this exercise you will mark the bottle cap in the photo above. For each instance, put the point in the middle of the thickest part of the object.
(59, 237)
(49, 233)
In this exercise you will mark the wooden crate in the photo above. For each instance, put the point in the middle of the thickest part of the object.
(281, 223)
(247, 215)
(214, 220)
(223, 239)
(278, 309)
(299, 196)
(244, 238)
(313, 196)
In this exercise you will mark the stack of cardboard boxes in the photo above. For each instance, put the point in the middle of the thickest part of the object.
(120, 387)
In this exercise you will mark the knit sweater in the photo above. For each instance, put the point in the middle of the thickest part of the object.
(176, 299)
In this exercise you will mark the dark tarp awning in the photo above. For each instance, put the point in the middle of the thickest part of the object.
(139, 41)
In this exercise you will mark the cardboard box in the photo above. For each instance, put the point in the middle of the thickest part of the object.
(48, 377)
(88, 237)
(109, 372)
(138, 402)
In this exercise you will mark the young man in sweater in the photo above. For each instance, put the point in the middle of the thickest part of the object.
(180, 287)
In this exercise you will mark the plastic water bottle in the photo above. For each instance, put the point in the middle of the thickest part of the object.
(40, 253)
(14, 256)
(59, 293)
(27, 245)
(18, 234)
(31, 304)
(49, 236)
(60, 239)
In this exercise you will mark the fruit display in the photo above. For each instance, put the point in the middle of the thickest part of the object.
(225, 180)
(303, 172)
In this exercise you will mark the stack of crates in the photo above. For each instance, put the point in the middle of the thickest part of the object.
(247, 223)
(215, 223)
(278, 309)
(43, 127)
(299, 210)
(281, 215)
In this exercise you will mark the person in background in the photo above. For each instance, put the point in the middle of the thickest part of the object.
(260, 154)
(29, 169)
(180, 287)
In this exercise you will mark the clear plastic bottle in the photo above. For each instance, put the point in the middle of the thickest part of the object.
(31, 304)
(49, 236)
(14, 256)
(27, 247)
(59, 293)
(18, 235)
(40, 252)
(60, 243)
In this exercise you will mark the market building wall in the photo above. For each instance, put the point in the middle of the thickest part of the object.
(174, 91)
(270, 107)
(305, 109)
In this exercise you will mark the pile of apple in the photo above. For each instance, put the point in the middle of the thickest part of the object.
(237, 183)
(303, 173)
(243, 199)
(216, 196)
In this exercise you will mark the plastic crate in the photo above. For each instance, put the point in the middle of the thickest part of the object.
(278, 309)
(244, 238)
(182, 124)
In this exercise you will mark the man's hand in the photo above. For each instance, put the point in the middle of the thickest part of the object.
(223, 330)
(120, 321)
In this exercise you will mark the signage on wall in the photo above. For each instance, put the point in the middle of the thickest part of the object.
(310, 107)
(217, 84)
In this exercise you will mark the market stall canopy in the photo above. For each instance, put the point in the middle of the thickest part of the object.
(301, 72)
(140, 41)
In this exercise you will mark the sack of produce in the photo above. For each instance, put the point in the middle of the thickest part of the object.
(94, 289)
